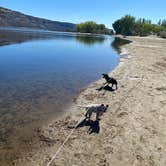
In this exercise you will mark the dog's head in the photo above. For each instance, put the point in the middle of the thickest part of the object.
(105, 75)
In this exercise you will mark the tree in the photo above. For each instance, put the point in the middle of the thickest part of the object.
(128, 25)
(125, 25)
(163, 23)
(143, 27)
(157, 29)
(159, 22)
(117, 25)
(86, 27)
(91, 27)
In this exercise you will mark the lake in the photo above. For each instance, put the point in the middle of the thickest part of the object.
(42, 71)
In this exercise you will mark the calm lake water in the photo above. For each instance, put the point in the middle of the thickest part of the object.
(40, 73)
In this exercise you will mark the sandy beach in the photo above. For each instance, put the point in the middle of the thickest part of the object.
(131, 132)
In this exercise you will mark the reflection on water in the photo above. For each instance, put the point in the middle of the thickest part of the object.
(18, 36)
(90, 40)
(14, 36)
(40, 76)
(117, 42)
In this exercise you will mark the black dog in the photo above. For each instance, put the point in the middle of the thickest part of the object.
(110, 80)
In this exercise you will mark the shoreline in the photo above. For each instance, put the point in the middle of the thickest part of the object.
(125, 127)
(74, 107)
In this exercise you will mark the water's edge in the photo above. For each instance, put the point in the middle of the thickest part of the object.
(67, 111)
(73, 106)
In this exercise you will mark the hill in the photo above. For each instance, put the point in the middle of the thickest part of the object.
(10, 18)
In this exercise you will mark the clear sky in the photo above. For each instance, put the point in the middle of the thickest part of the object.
(101, 11)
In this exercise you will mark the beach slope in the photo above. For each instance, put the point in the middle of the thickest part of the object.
(131, 132)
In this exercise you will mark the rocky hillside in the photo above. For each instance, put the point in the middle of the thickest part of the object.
(9, 18)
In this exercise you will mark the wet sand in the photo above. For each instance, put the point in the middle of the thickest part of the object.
(131, 132)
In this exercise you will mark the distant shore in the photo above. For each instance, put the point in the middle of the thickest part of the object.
(44, 31)
(132, 131)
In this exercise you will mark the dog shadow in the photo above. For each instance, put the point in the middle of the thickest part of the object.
(107, 88)
(94, 126)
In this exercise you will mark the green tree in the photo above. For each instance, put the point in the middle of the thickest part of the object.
(125, 25)
(163, 23)
(157, 29)
(128, 25)
(91, 27)
(143, 27)
(159, 22)
(87, 27)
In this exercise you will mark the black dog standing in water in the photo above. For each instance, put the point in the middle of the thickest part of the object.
(110, 80)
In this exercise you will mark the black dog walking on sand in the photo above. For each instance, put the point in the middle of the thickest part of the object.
(110, 80)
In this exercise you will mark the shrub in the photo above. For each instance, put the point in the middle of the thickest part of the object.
(128, 25)
(162, 34)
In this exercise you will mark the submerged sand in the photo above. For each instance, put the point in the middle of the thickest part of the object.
(132, 131)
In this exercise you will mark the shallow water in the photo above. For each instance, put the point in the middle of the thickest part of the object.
(41, 71)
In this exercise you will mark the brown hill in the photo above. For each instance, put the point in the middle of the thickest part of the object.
(10, 18)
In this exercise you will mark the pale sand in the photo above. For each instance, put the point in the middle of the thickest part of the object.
(132, 131)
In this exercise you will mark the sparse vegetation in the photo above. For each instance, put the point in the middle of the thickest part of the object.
(129, 25)
(162, 34)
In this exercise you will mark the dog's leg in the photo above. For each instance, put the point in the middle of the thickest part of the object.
(104, 89)
(105, 83)
(116, 86)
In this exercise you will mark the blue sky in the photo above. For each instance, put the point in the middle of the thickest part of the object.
(101, 11)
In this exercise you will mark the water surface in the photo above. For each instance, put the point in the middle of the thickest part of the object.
(41, 71)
